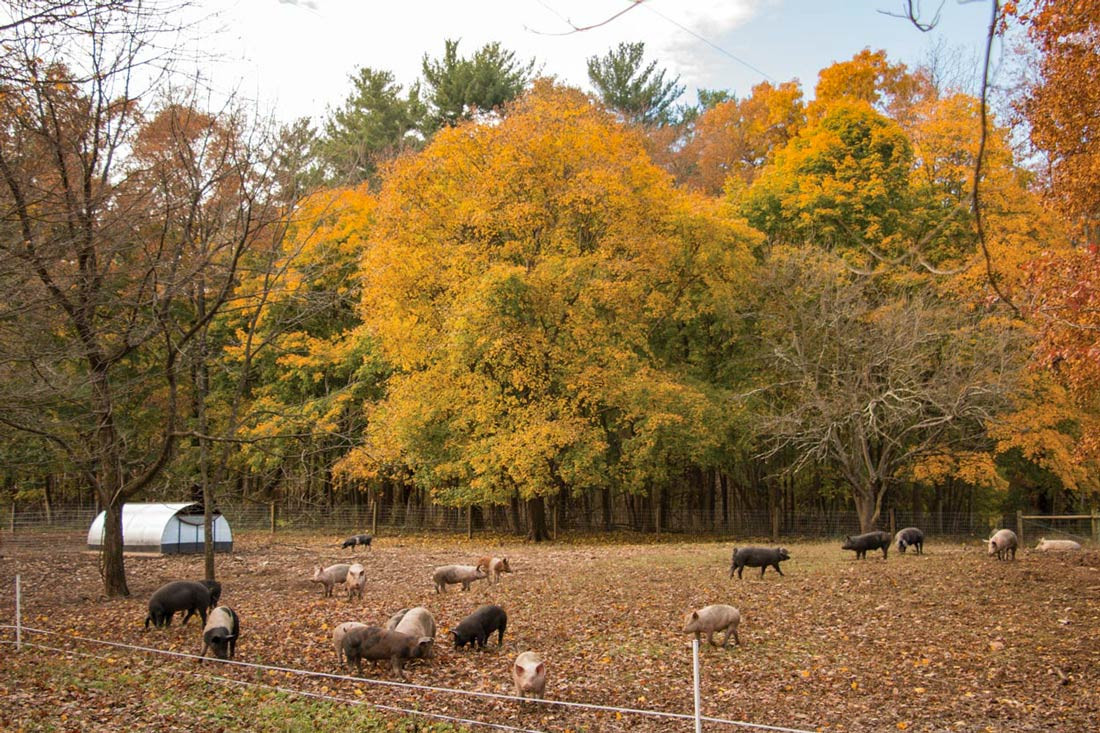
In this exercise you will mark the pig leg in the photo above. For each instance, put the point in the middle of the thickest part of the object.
(500, 635)
(190, 613)
(884, 551)
(710, 638)
(776, 566)
(740, 569)
(731, 630)
(762, 569)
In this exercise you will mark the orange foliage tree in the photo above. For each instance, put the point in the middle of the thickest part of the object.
(1061, 106)
(735, 137)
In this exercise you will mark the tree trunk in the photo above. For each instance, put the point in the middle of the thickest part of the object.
(868, 502)
(114, 568)
(109, 486)
(605, 500)
(536, 515)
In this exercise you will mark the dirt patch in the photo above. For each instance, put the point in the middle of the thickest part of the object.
(951, 640)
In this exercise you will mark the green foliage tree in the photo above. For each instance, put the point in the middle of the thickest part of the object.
(640, 93)
(460, 87)
(377, 121)
(842, 182)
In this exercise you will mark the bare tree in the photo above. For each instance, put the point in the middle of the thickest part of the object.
(106, 231)
(869, 384)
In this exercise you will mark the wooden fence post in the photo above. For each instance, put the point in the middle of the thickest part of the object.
(775, 523)
(1020, 527)
(1095, 526)
(374, 517)
(657, 512)
(470, 521)
(893, 522)
(273, 515)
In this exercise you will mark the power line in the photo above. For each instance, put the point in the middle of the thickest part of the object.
(710, 43)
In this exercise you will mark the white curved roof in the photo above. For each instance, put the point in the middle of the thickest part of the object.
(149, 526)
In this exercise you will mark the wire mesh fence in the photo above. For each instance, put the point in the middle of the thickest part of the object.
(35, 529)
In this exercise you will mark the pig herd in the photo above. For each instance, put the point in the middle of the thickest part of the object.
(410, 633)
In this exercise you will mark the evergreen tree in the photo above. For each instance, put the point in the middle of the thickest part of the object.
(376, 123)
(460, 87)
(639, 93)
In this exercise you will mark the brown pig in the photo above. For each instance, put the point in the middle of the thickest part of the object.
(493, 567)
(711, 619)
(338, 635)
(375, 644)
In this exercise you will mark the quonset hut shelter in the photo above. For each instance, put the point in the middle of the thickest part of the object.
(167, 529)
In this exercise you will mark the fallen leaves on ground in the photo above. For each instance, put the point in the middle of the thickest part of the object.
(951, 640)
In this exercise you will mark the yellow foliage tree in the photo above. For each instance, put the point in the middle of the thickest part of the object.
(531, 280)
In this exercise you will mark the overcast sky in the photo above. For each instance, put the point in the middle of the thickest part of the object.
(294, 56)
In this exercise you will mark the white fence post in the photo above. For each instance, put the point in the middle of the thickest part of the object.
(695, 675)
(18, 615)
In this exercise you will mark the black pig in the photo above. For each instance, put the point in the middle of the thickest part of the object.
(871, 541)
(910, 537)
(359, 539)
(215, 589)
(221, 632)
(758, 557)
(479, 626)
(179, 595)
(374, 643)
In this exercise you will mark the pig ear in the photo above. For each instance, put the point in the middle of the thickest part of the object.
(694, 615)
(518, 669)
(538, 669)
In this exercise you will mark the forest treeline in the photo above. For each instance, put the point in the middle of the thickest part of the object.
(490, 288)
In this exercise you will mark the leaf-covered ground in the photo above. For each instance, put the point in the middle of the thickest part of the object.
(952, 640)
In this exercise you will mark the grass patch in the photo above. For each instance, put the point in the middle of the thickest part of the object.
(86, 693)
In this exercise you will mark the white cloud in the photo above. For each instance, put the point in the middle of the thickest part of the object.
(297, 54)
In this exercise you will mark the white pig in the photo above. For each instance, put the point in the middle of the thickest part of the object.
(450, 574)
(330, 576)
(1046, 545)
(711, 619)
(529, 674)
(355, 581)
(416, 622)
(1002, 543)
